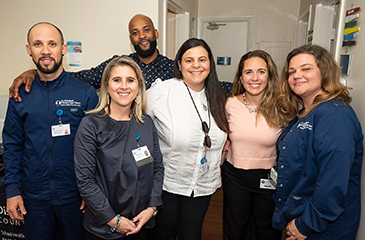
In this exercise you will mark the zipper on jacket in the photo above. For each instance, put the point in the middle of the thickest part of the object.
(50, 142)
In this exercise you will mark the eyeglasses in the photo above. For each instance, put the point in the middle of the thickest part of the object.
(207, 142)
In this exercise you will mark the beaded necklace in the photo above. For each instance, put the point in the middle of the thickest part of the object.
(250, 109)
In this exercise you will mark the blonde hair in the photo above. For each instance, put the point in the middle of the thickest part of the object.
(267, 105)
(138, 108)
(330, 78)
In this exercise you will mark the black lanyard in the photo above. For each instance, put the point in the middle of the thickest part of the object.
(206, 131)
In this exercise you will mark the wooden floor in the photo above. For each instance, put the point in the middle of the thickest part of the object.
(213, 226)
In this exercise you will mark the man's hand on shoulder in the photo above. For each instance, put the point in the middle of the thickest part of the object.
(26, 78)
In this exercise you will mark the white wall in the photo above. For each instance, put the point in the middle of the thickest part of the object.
(273, 21)
(102, 26)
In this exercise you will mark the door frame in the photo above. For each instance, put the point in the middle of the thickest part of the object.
(304, 26)
(182, 23)
(248, 19)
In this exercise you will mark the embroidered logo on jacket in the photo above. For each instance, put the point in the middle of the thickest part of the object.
(304, 125)
(297, 198)
(68, 103)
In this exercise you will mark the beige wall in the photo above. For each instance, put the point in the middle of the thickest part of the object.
(101, 26)
(273, 21)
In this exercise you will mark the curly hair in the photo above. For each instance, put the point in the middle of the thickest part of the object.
(330, 81)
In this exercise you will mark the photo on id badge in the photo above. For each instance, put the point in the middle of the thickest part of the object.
(142, 156)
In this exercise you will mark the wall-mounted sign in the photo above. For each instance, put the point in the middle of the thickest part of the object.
(351, 30)
(348, 36)
(349, 43)
(345, 63)
(351, 17)
(74, 50)
(224, 61)
(350, 27)
(352, 11)
(350, 24)
(310, 37)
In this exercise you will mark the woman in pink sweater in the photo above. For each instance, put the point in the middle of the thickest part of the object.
(255, 122)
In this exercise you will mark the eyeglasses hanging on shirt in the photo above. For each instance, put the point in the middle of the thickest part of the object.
(207, 141)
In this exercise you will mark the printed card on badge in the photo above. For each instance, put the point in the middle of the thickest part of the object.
(266, 184)
(142, 156)
(61, 130)
(273, 177)
(204, 167)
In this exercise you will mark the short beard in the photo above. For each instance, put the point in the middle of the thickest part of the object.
(48, 70)
(146, 53)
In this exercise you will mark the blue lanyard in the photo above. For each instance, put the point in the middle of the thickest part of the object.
(137, 138)
(59, 112)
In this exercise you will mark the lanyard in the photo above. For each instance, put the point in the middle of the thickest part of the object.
(201, 120)
(59, 112)
(137, 138)
(205, 127)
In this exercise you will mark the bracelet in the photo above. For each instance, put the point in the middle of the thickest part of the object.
(155, 211)
(116, 224)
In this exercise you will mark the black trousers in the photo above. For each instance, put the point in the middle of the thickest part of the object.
(247, 209)
(180, 216)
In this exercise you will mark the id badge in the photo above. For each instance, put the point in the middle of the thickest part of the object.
(204, 167)
(142, 156)
(273, 177)
(60, 130)
(266, 184)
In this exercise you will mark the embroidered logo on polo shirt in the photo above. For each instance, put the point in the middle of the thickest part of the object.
(304, 125)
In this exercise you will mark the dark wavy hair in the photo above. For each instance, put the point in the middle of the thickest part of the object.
(330, 80)
(216, 95)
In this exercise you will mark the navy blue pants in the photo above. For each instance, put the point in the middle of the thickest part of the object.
(42, 220)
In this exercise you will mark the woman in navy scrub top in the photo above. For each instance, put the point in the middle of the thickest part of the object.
(320, 152)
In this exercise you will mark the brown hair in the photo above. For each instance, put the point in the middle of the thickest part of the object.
(330, 78)
(267, 106)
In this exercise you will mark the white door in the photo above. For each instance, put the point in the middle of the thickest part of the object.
(229, 41)
(177, 26)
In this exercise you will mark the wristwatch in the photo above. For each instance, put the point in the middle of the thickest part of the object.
(155, 211)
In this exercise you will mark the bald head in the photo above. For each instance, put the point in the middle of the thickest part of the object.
(49, 24)
(138, 20)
